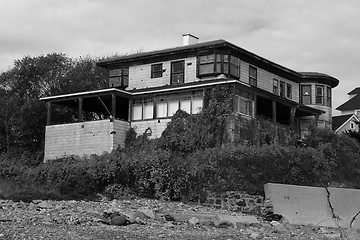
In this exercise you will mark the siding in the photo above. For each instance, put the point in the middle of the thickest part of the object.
(156, 126)
(140, 75)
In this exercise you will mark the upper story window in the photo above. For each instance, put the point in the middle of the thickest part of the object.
(119, 77)
(215, 64)
(319, 95)
(289, 90)
(328, 96)
(282, 89)
(177, 72)
(306, 94)
(156, 70)
(276, 86)
(252, 76)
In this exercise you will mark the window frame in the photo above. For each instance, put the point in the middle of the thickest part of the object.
(122, 74)
(319, 96)
(309, 95)
(222, 63)
(252, 79)
(289, 90)
(154, 72)
(282, 89)
(178, 73)
(328, 96)
(249, 105)
(276, 86)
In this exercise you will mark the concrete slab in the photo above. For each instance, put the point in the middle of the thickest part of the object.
(346, 205)
(330, 207)
(300, 204)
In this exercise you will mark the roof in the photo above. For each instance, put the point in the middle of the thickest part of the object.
(320, 77)
(351, 104)
(339, 121)
(355, 91)
(216, 44)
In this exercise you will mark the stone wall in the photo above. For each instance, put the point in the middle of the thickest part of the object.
(238, 201)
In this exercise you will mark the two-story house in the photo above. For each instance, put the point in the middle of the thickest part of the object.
(146, 89)
(350, 113)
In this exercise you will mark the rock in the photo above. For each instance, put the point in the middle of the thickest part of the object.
(254, 235)
(147, 211)
(118, 220)
(137, 217)
(194, 221)
(45, 205)
(114, 214)
(169, 225)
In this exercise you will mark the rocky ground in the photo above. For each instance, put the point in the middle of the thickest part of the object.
(142, 219)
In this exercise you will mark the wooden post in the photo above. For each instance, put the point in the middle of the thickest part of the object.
(80, 110)
(274, 111)
(292, 117)
(113, 106)
(48, 114)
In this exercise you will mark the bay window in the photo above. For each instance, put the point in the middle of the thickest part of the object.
(215, 64)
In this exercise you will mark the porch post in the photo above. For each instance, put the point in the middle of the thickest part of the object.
(113, 105)
(255, 106)
(48, 114)
(80, 109)
(274, 111)
(292, 117)
(316, 120)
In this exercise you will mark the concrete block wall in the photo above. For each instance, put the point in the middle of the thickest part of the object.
(84, 138)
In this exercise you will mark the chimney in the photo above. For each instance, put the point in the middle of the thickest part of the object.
(189, 39)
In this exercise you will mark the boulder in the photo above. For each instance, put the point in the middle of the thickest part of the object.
(119, 220)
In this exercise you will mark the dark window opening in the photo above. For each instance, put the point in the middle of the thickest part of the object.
(282, 89)
(252, 76)
(289, 90)
(119, 77)
(177, 72)
(320, 95)
(156, 70)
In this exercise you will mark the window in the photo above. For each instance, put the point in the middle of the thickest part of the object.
(244, 105)
(137, 110)
(328, 96)
(177, 72)
(156, 70)
(206, 64)
(289, 90)
(185, 103)
(282, 89)
(319, 95)
(196, 105)
(352, 125)
(161, 108)
(173, 106)
(119, 77)
(276, 86)
(306, 94)
(215, 64)
(234, 67)
(252, 76)
(148, 109)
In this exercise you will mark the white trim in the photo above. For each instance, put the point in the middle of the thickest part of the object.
(185, 87)
(357, 119)
(84, 93)
(136, 93)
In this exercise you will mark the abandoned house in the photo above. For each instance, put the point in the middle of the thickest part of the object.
(146, 89)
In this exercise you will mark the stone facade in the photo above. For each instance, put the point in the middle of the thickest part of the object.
(238, 201)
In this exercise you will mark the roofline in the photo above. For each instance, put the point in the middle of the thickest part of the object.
(84, 93)
(353, 115)
(321, 77)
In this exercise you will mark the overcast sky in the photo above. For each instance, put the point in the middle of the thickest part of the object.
(304, 35)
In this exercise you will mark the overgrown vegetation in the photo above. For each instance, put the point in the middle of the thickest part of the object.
(195, 152)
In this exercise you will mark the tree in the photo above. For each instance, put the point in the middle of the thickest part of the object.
(22, 114)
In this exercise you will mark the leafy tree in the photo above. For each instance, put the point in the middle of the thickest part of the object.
(22, 115)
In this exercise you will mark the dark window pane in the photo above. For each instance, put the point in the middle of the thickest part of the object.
(206, 69)
(207, 59)
(306, 99)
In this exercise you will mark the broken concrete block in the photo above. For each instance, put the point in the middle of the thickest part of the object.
(233, 220)
(329, 207)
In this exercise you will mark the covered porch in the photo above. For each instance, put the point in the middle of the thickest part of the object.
(97, 122)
